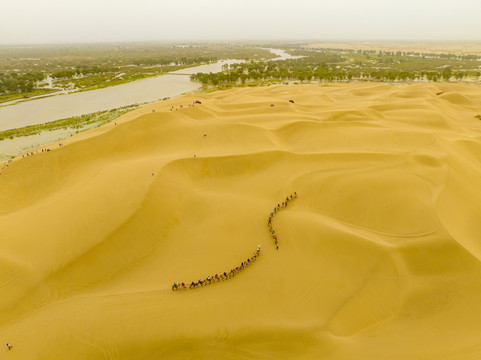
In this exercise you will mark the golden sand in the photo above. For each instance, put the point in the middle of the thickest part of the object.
(379, 258)
(457, 48)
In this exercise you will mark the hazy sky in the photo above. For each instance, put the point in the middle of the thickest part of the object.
(70, 21)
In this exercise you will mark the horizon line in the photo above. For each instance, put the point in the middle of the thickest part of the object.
(238, 41)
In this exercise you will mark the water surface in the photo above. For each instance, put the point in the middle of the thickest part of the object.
(44, 110)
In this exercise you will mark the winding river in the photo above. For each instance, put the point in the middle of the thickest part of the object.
(146, 90)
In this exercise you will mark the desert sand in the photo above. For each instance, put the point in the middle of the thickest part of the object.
(379, 257)
(457, 48)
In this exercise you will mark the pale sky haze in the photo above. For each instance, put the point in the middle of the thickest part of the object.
(69, 21)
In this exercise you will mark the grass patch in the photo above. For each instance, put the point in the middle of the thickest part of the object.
(75, 122)
(205, 89)
(37, 92)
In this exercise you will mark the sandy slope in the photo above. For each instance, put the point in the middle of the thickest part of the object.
(380, 256)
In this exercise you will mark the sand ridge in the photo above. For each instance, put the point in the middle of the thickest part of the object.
(380, 256)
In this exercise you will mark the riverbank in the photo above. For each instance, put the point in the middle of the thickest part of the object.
(70, 68)
(32, 138)
(76, 104)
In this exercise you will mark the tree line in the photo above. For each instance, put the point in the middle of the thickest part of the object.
(360, 65)
(12, 83)
(173, 61)
(83, 70)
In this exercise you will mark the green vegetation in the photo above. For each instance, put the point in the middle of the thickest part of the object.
(24, 70)
(349, 65)
(76, 122)
(25, 95)
(27, 71)
(226, 86)
(15, 82)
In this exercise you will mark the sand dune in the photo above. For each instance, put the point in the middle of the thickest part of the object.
(379, 258)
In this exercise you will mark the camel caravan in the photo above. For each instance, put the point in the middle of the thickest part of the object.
(229, 275)
(273, 212)
(217, 278)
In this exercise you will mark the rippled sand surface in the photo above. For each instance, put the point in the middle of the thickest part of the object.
(379, 256)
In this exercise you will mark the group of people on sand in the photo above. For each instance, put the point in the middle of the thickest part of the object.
(189, 105)
(217, 278)
(4, 165)
(36, 152)
(273, 212)
(30, 153)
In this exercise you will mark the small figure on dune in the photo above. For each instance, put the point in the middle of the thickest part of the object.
(9, 346)
(291, 101)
